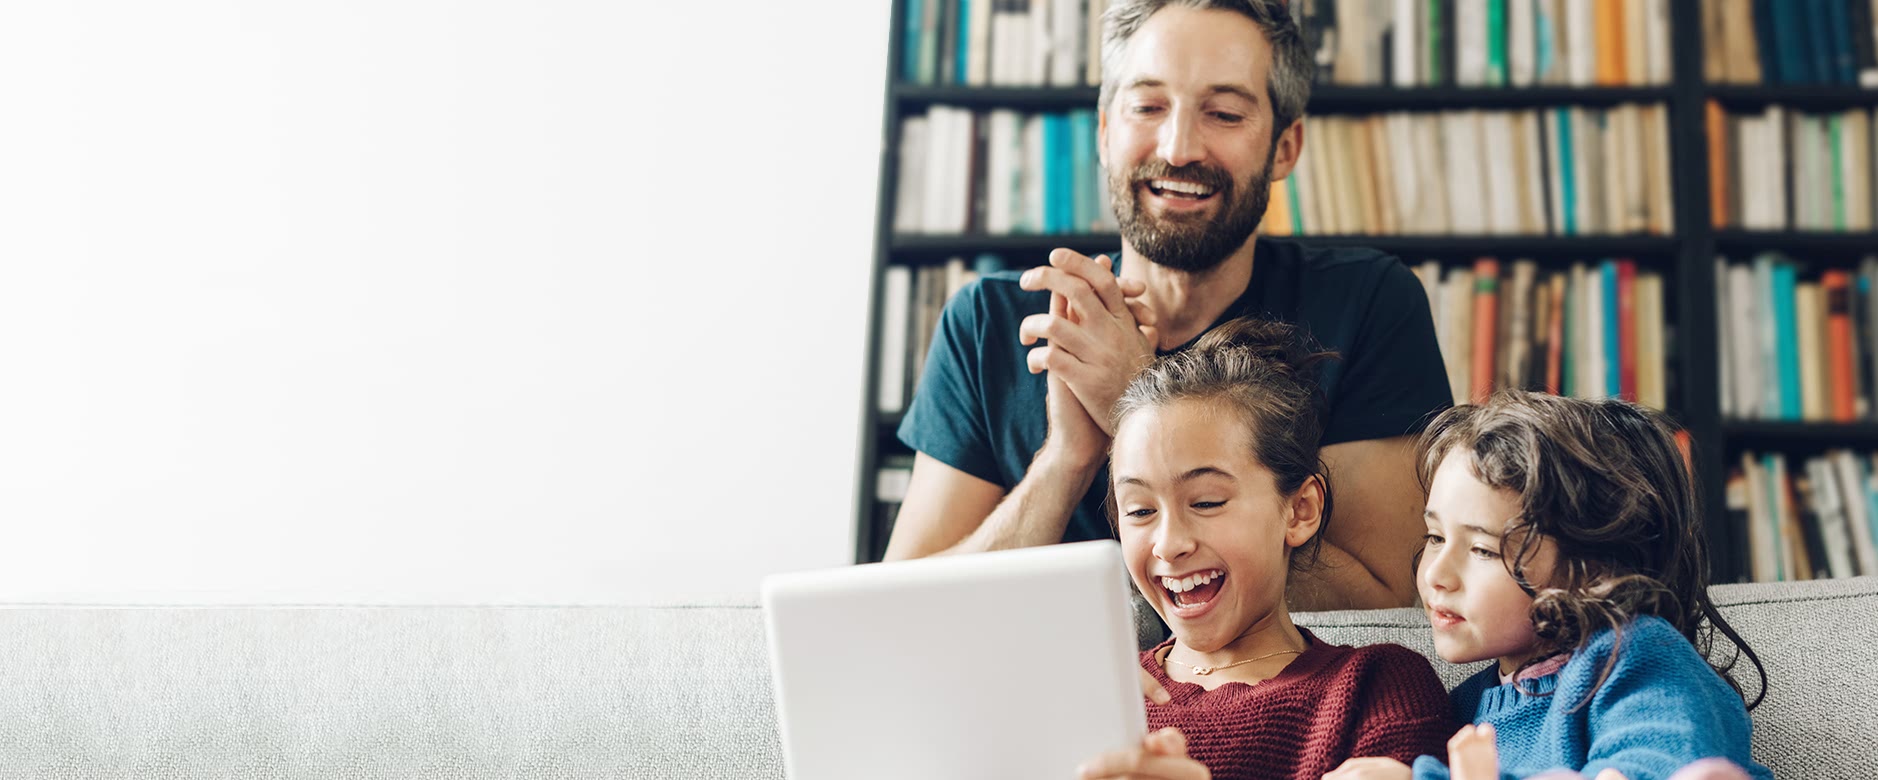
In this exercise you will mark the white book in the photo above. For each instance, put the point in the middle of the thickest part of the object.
(1724, 340)
(1092, 43)
(909, 205)
(939, 169)
(1555, 171)
(978, 43)
(1800, 129)
(1458, 352)
(1032, 221)
(1038, 49)
(1502, 173)
(1752, 189)
(959, 201)
(1856, 169)
(1769, 336)
(1549, 40)
(1652, 347)
(1067, 22)
(1585, 138)
(1634, 162)
(1656, 30)
(1636, 35)
(1808, 305)
(1002, 177)
(1785, 520)
(1429, 274)
(1410, 192)
(1581, 52)
(1407, 46)
(1829, 512)
(1663, 183)
(999, 66)
(896, 298)
(1466, 181)
(1470, 33)
(1763, 544)
(1431, 172)
(1533, 221)
(1521, 54)
(1325, 214)
(1303, 179)
(1857, 512)
(1744, 315)
(1773, 160)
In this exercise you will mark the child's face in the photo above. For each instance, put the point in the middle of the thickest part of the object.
(1194, 504)
(1478, 611)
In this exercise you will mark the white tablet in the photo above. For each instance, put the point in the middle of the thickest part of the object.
(1014, 664)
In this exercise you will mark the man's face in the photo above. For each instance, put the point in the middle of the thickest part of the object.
(1187, 141)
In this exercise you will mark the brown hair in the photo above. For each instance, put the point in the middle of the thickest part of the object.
(1605, 481)
(1265, 372)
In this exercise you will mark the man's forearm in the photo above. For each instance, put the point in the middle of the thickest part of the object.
(1340, 581)
(1037, 510)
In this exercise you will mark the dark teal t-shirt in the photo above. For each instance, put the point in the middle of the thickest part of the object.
(979, 409)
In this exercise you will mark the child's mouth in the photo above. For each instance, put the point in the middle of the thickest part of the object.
(1442, 618)
(1194, 592)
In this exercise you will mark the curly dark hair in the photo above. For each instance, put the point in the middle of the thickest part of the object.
(1266, 373)
(1607, 483)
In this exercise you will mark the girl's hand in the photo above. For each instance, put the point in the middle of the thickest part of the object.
(1151, 688)
(1472, 754)
(1371, 769)
(1162, 756)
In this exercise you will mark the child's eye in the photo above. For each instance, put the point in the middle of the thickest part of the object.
(1432, 540)
(1486, 554)
(1140, 513)
(1208, 504)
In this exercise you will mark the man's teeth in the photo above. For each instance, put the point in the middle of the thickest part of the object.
(1184, 187)
(1190, 582)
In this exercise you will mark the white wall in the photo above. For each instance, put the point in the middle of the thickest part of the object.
(399, 301)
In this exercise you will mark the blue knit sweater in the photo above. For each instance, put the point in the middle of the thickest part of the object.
(1661, 709)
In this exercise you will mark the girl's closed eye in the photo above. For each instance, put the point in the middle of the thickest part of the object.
(1432, 540)
(1486, 554)
(1208, 504)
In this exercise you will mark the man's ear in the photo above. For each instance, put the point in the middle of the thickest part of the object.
(1307, 512)
(1290, 144)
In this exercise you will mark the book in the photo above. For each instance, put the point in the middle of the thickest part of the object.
(1486, 320)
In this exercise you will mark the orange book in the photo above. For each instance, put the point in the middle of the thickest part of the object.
(1486, 325)
(1687, 447)
(1555, 336)
(1838, 290)
(1278, 214)
(1627, 330)
(1718, 183)
(1608, 19)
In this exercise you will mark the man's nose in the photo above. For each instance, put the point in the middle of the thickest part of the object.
(1180, 141)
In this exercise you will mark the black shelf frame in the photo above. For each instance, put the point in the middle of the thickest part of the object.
(1687, 257)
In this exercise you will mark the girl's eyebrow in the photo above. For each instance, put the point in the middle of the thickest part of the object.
(1429, 514)
(1187, 477)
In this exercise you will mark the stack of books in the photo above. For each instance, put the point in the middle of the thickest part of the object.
(1000, 172)
(1592, 331)
(1557, 171)
(1812, 523)
(1489, 43)
(1786, 170)
(1789, 42)
(1002, 43)
(1796, 350)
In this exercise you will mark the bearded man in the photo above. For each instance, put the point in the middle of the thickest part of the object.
(1202, 108)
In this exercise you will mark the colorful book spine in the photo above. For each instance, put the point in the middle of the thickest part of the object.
(1838, 293)
(1486, 326)
(1568, 183)
(1496, 42)
(1786, 335)
(1612, 331)
(1627, 329)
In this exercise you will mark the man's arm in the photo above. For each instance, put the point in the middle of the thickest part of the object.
(949, 511)
(1375, 526)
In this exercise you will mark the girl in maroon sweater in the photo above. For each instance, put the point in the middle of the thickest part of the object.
(1218, 493)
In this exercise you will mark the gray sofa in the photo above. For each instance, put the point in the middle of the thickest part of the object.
(671, 691)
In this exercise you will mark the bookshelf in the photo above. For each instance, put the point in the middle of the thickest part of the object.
(1685, 257)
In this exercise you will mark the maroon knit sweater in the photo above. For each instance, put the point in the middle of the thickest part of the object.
(1332, 703)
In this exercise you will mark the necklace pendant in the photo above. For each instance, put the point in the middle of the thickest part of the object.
(1203, 670)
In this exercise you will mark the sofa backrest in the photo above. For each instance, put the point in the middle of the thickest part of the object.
(636, 692)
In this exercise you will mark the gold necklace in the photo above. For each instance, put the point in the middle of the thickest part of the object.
(1206, 670)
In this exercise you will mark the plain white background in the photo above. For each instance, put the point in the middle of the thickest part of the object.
(531, 301)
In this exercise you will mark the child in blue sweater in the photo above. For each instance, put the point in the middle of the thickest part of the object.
(1564, 543)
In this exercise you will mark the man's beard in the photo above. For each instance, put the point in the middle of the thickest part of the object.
(1190, 242)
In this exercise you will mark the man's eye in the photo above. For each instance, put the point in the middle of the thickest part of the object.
(1225, 117)
(1146, 109)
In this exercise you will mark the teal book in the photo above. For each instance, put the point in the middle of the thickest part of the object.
(1568, 345)
(1544, 55)
(909, 41)
(963, 34)
(1613, 330)
(1837, 144)
(1568, 185)
(1786, 337)
(1788, 19)
(1057, 198)
(1496, 43)
(1083, 170)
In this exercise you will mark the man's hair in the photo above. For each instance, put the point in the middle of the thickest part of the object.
(1288, 80)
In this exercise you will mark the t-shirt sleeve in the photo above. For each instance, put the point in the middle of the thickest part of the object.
(1394, 381)
(946, 419)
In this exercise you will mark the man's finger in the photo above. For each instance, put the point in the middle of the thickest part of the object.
(1060, 332)
(1099, 276)
(1081, 297)
(1144, 315)
(1060, 363)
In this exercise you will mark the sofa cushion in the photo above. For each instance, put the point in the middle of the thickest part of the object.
(635, 691)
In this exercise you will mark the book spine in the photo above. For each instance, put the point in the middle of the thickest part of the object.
(1612, 331)
(1837, 287)
(1626, 275)
(1486, 323)
(1786, 336)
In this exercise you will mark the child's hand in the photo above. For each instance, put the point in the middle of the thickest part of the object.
(1472, 754)
(1152, 689)
(1371, 769)
(1162, 756)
